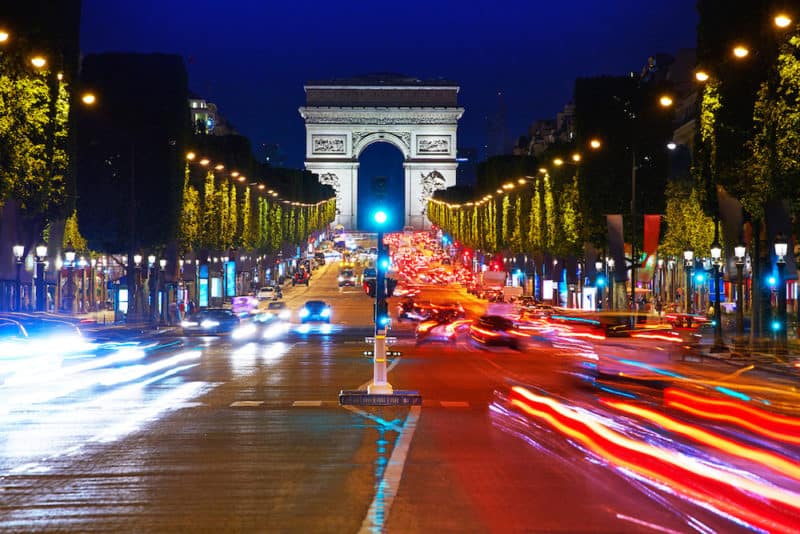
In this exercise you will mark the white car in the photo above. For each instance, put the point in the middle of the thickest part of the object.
(267, 293)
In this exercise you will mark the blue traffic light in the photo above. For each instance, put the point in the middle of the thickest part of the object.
(772, 281)
(383, 263)
(601, 281)
(776, 326)
(700, 277)
(380, 217)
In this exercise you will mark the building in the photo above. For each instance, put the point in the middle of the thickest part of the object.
(206, 120)
(544, 132)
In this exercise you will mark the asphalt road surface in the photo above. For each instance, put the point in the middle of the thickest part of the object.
(174, 434)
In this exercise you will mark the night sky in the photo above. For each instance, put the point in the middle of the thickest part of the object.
(251, 58)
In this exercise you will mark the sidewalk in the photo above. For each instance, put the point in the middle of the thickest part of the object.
(764, 357)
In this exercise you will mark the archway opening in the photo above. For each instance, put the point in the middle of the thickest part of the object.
(381, 184)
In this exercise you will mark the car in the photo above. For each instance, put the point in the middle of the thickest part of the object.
(278, 310)
(452, 307)
(301, 277)
(347, 278)
(443, 326)
(269, 293)
(315, 310)
(412, 310)
(369, 273)
(497, 330)
(210, 321)
(320, 258)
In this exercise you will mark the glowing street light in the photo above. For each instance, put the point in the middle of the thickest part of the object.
(665, 101)
(701, 76)
(595, 144)
(88, 99)
(4, 35)
(781, 20)
(190, 156)
(741, 52)
(38, 61)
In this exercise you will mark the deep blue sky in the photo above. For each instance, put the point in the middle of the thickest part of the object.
(251, 57)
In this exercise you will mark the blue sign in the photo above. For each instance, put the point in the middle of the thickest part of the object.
(204, 271)
(230, 279)
(203, 291)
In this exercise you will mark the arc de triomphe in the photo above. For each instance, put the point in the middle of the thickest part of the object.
(420, 118)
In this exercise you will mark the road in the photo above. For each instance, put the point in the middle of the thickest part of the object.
(169, 434)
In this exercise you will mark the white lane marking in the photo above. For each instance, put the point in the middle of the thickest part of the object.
(387, 488)
(246, 404)
(454, 404)
(307, 403)
(379, 420)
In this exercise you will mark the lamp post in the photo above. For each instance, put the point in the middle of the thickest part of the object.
(134, 289)
(599, 282)
(716, 259)
(610, 264)
(739, 251)
(781, 246)
(18, 251)
(380, 382)
(69, 259)
(152, 276)
(41, 285)
(688, 263)
(162, 263)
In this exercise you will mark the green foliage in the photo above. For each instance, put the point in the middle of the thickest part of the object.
(550, 214)
(33, 139)
(189, 229)
(505, 221)
(569, 227)
(247, 240)
(687, 224)
(72, 234)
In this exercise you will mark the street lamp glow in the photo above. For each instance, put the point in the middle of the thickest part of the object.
(219, 167)
(41, 251)
(151, 259)
(665, 101)
(190, 156)
(576, 157)
(88, 99)
(380, 217)
(701, 76)
(782, 20)
(38, 62)
(672, 145)
(235, 174)
(542, 170)
(163, 263)
(716, 251)
(739, 251)
(558, 162)
(741, 51)
(595, 144)
(261, 186)
(4, 36)
(137, 259)
(204, 162)
(18, 250)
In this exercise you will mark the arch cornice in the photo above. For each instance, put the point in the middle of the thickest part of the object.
(400, 141)
(380, 116)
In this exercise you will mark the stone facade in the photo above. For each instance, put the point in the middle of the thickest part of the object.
(421, 123)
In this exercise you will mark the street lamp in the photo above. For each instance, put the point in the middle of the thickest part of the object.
(18, 251)
(739, 251)
(41, 285)
(781, 246)
(688, 264)
(716, 258)
(599, 282)
(69, 259)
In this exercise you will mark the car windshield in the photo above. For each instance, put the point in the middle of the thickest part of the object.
(315, 305)
(276, 305)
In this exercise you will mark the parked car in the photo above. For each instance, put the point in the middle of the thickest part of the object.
(211, 321)
(497, 330)
(315, 310)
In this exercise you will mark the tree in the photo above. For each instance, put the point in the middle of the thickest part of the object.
(72, 234)
(248, 238)
(189, 232)
(687, 225)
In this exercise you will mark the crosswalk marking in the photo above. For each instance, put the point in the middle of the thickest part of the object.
(247, 404)
(454, 404)
(307, 403)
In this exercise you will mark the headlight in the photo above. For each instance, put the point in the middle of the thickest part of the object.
(244, 332)
(188, 323)
(341, 278)
(208, 323)
(304, 312)
(326, 312)
(285, 314)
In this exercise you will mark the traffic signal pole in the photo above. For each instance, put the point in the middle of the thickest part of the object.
(380, 384)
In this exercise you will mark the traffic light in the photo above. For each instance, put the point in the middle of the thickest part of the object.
(381, 313)
(383, 263)
(601, 280)
(391, 283)
(369, 287)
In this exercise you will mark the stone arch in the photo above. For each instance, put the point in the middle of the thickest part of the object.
(401, 141)
(345, 116)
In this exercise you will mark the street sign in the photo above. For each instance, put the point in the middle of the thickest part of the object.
(397, 398)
